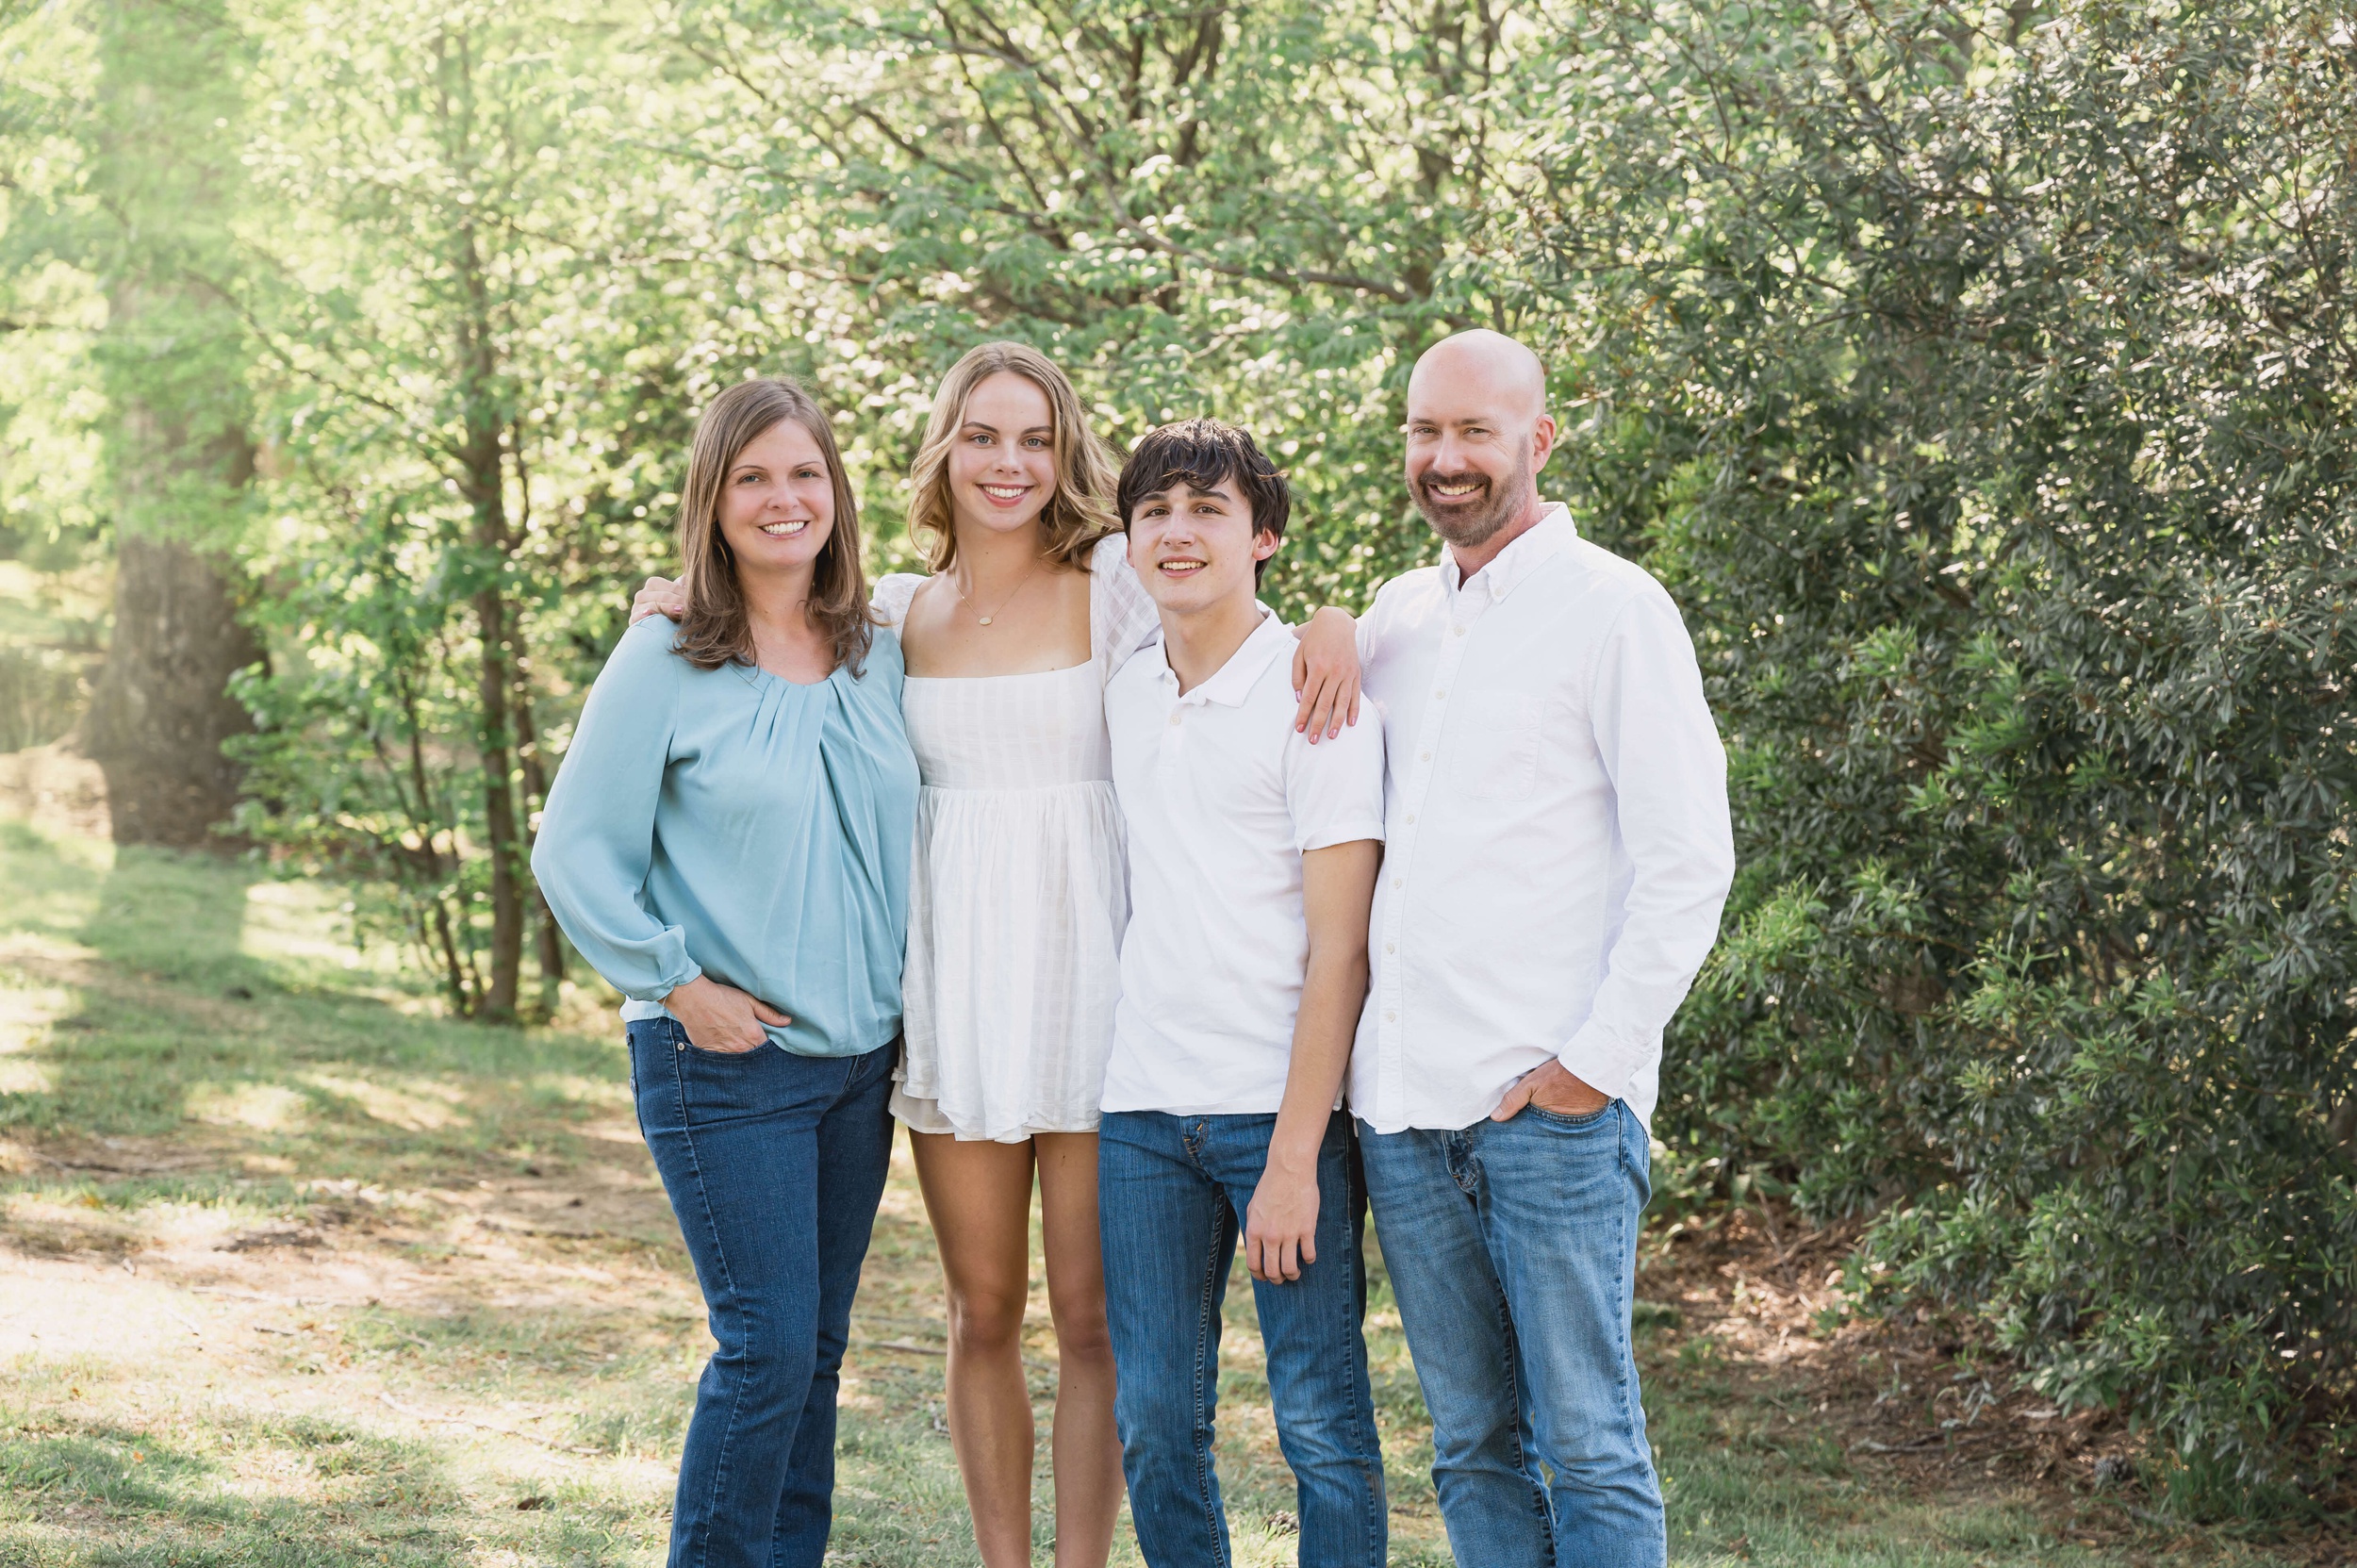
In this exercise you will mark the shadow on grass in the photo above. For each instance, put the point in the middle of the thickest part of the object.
(269, 1493)
(164, 1008)
(261, 1493)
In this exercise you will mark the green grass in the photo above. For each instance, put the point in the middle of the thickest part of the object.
(295, 1273)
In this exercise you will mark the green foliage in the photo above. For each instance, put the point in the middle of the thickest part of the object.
(1979, 378)
(486, 339)
(508, 251)
(165, 137)
(1984, 390)
(1262, 213)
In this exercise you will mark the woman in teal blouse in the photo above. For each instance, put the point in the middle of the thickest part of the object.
(728, 844)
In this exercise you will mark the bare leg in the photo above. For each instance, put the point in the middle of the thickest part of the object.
(978, 1195)
(1086, 1447)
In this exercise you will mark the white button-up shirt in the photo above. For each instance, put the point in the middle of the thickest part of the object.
(1220, 799)
(1558, 840)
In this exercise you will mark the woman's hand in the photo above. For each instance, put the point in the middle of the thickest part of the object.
(720, 1017)
(1326, 673)
(663, 597)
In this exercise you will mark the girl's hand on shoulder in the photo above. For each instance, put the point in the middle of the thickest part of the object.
(1326, 674)
(660, 596)
(721, 1018)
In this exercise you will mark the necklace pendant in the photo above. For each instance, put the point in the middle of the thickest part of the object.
(985, 620)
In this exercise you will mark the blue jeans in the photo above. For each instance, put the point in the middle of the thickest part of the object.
(1172, 1191)
(1512, 1249)
(774, 1163)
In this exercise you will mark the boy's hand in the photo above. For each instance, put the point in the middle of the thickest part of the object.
(1280, 1225)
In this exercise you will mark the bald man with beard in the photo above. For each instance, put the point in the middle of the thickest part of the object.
(1559, 850)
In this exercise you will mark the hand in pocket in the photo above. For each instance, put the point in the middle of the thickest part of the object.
(1553, 1088)
(721, 1018)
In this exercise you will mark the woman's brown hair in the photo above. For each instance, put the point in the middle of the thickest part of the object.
(716, 630)
(1076, 516)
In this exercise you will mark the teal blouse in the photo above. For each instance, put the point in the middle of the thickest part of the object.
(731, 823)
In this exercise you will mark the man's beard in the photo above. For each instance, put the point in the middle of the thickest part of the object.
(1470, 522)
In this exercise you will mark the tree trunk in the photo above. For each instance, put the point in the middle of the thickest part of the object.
(483, 480)
(499, 810)
(550, 940)
(173, 360)
(162, 708)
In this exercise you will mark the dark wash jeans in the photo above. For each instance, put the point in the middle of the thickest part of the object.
(1172, 1191)
(1512, 1249)
(774, 1163)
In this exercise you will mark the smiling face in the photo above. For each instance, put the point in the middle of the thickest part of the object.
(1477, 436)
(1196, 550)
(777, 502)
(1002, 466)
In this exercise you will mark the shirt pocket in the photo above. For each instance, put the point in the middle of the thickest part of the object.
(1497, 753)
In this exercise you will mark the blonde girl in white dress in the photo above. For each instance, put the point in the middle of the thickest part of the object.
(1017, 901)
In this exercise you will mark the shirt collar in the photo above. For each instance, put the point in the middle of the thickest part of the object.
(1232, 682)
(1549, 536)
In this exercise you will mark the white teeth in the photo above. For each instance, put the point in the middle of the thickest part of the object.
(784, 530)
(1002, 492)
(1454, 489)
(1179, 566)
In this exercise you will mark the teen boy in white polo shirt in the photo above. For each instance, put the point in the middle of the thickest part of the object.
(1252, 865)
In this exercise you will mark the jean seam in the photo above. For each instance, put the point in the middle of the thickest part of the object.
(1631, 1408)
(1514, 1398)
(1366, 1441)
(1543, 1506)
(704, 1201)
(1207, 1319)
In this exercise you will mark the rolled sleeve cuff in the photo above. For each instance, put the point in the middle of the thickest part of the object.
(1603, 1060)
(690, 971)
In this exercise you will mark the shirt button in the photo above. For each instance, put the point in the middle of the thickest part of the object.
(1391, 947)
(1411, 818)
(1428, 756)
(1399, 881)
(1440, 696)
(1174, 718)
(1458, 630)
(1390, 1017)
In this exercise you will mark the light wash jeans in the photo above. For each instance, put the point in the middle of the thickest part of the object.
(1171, 1193)
(1512, 1249)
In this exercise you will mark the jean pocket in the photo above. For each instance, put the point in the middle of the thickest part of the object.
(717, 1085)
(1573, 1119)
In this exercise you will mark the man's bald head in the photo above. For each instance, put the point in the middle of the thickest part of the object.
(1484, 363)
(1477, 434)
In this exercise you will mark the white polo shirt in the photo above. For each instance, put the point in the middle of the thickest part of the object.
(1220, 799)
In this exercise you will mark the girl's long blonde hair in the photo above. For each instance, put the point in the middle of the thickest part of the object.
(1080, 511)
(717, 630)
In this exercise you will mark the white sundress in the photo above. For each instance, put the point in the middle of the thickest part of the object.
(1019, 889)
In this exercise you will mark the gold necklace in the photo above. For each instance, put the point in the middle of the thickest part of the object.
(986, 619)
